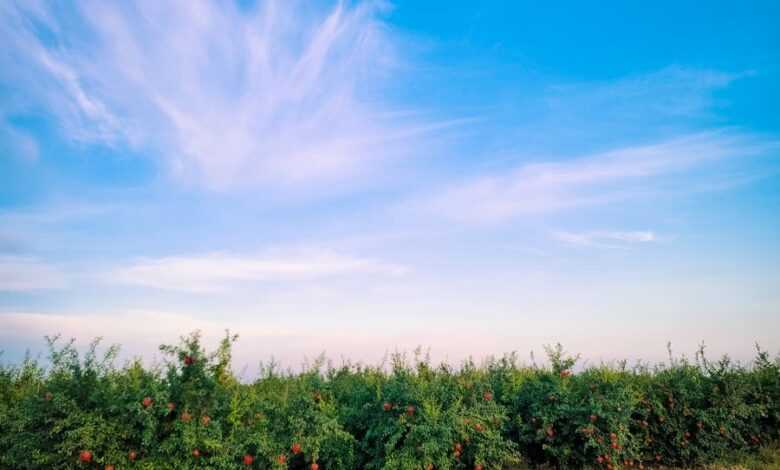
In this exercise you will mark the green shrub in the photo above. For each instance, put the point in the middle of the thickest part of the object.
(83, 412)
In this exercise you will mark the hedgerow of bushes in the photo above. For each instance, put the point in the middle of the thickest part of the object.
(192, 412)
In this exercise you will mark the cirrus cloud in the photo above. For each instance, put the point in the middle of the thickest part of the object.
(602, 178)
(605, 238)
(219, 271)
(23, 274)
(276, 94)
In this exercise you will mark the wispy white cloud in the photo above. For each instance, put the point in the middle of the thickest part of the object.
(671, 92)
(602, 178)
(277, 94)
(605, 238)
(219, 271)
(21, 274)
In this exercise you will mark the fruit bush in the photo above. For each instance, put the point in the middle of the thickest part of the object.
(83, 412)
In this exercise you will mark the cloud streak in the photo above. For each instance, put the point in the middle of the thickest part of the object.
(219, 271)
(25, 274)
(605, 238)
(672, 92)
(229, 96)
(538, 188)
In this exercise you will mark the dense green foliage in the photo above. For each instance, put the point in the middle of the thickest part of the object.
(192, 412)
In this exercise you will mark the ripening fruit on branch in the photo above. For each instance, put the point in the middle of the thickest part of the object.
(188, 360)
(85, 456)
(480, 434)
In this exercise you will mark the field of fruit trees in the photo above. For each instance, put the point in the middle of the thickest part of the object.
(83, 412)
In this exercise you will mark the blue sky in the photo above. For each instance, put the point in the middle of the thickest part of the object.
(358, 177)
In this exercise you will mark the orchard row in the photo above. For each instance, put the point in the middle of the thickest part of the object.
(192, 412)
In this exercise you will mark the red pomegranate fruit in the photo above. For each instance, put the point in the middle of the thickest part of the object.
(85, 456)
